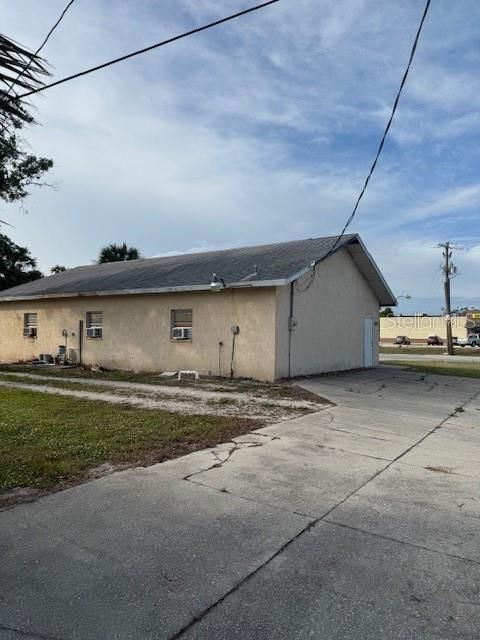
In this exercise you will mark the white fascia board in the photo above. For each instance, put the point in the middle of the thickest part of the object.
(131, 292)
(394, 301)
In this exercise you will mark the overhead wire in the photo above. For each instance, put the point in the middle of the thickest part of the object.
(385, 133)
(44, 42)
(149, 48)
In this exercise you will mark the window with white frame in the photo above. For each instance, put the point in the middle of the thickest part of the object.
(30, 325)
(181, 324)
(94, 324)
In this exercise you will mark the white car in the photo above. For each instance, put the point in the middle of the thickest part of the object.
(473, 340)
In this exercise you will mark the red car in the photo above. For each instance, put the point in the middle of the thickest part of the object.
(434, 340)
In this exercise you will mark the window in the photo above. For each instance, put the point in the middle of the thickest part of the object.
(181, 328)
(94, 324)
(30, 324)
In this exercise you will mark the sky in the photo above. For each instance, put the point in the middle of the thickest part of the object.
(260, 130)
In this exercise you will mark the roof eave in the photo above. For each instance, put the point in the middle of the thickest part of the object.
(146, 291)
(389, 298)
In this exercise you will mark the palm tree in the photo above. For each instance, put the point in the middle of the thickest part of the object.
(20, 70)
(58, 268)
(118, 253)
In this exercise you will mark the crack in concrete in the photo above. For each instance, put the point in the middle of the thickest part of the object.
(353, 433)
(28, 634)
(355, 453)
(261, 504)
(236, 446)
(397, 540)
(314, 523)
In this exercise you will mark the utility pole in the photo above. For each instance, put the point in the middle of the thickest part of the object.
(449, 270)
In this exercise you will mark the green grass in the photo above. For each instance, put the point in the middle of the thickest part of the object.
(56, 384)
(224, 385)
(422, 351)
(91, 388)
(442, 368)
(46, 440)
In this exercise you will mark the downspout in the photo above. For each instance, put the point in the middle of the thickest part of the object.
(80, 342)
(290, 330)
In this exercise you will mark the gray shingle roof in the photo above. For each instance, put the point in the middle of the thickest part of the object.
(262, 265)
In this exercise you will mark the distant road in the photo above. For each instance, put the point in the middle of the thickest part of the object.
(388, 357)
(414, 345)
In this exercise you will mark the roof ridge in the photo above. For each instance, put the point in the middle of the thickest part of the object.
(272, 264)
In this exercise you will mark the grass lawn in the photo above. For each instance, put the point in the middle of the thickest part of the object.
(48, 441)
(271, 390)
(467, 370)
(431, 351)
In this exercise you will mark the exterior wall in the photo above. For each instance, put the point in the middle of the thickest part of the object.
(136, 331)
(328, 335)
(329, 316)
(418, 328)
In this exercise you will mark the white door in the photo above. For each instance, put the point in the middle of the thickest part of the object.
(368, 342)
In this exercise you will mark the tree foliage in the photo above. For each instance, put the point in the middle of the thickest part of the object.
(58, 268)
(118, 253)
(17, 266)
(19, 169)
(20, 70)
(386, 313)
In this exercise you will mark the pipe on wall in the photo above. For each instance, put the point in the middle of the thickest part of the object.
(80, 342)
(290, 329)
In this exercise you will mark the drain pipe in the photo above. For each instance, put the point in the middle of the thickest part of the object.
(291, 326)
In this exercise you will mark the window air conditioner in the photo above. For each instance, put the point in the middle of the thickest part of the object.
(181, 333)
(94, 332)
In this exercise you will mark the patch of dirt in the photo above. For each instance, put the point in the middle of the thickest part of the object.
(244, 400)
(439, 469)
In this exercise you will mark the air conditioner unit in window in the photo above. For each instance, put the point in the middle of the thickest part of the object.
(94, 332)
(30, 332)
(181, 333)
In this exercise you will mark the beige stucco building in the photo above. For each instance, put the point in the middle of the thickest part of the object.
(417, 328)
(267, 312)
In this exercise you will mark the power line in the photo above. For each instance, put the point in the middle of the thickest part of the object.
(385, 133)
(144, 50)
(45, 40)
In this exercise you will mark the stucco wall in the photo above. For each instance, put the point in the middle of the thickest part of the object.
(418, 327)
(328, 335)
(136, 331)
(329, 316)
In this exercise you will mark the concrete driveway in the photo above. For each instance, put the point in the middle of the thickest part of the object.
(358, 522)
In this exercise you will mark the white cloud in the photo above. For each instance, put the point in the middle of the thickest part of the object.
(261, 130)
(450, 201)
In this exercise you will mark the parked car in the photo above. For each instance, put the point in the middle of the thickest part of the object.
(401, 340)
(434, 340)
(473, 340)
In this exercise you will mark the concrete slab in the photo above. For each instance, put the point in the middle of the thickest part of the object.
(417, 406)
(141, 553)
(337, 584)
(292, 475)
(433, 509)
(361, 431)
(454, 448)
(134, 555)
